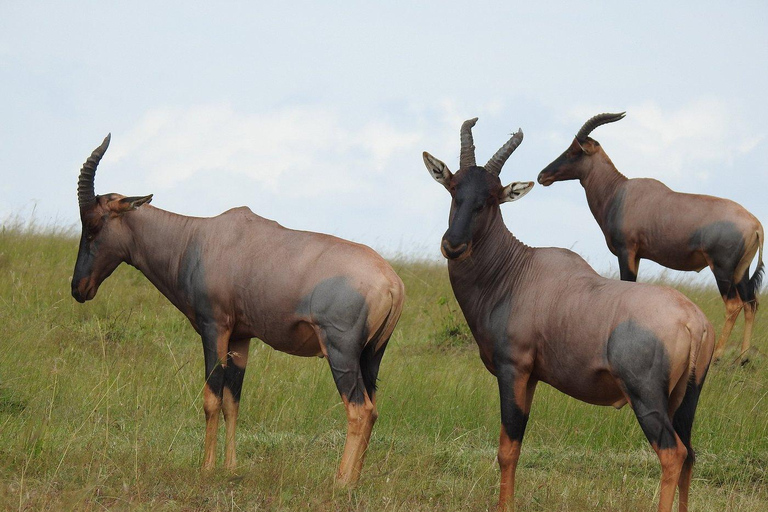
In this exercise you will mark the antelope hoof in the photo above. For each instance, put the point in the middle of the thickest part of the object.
(345, 483)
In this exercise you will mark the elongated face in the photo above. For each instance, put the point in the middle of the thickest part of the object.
(576, 162)
(475, 194)
(103, 242)
(573, 164)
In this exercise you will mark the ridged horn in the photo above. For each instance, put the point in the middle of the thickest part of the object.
(596, 121)
(85, 189)
(467, 157)
(497, 161)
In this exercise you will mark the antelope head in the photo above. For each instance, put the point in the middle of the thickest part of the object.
(476, 192)
(104, 240)
(575, 162)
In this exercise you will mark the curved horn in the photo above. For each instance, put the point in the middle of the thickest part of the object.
(596, 121)
(497, 161)
(467, 157)
(85, 189)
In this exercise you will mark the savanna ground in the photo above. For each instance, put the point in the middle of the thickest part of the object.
(100, 409)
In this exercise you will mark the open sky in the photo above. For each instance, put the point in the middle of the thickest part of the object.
(315, 114)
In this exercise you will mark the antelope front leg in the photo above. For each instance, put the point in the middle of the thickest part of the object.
(237, 359)
(211, 406)
(215, 345)
(516, 394)
(628, 265)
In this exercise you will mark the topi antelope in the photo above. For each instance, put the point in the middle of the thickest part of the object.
(642, 218)
(238, 276)
(546, 315)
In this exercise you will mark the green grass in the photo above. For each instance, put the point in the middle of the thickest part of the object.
(100, 409)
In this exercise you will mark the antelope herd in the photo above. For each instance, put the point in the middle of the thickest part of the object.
(537, 314)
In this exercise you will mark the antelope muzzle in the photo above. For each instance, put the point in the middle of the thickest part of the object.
(455, 252)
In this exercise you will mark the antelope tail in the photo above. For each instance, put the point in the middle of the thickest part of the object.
(757, 278)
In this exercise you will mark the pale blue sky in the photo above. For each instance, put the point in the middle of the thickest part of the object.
(315, 114)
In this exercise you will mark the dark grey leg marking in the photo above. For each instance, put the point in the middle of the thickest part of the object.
(369, 366)
(638, 358)
(614, 226)
(341, 313)
(747, 288)
(725, 284)
(512, 416)
(683, 418)
(233, 378)
(191, 283)
(214, 372)
(625, 274)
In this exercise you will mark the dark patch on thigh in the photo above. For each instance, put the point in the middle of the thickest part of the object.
(342, 314)
(639, 358)
(722, 242)
(641, 363)
(614, 222)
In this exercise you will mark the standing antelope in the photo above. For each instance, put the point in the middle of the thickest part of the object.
(238, 276)
(642, 218)
(546, 315)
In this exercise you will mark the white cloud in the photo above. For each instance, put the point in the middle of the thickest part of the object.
(695, 140)
(297, 150)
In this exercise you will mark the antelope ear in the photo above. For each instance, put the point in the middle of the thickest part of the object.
(515, 191)
(576, 147)
(128, 204)
(437, 169)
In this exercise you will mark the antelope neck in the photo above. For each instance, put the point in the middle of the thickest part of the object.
(160, 239)
(600, 185)
(496, 256)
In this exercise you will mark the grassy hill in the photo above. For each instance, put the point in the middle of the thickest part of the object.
(100, 409)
